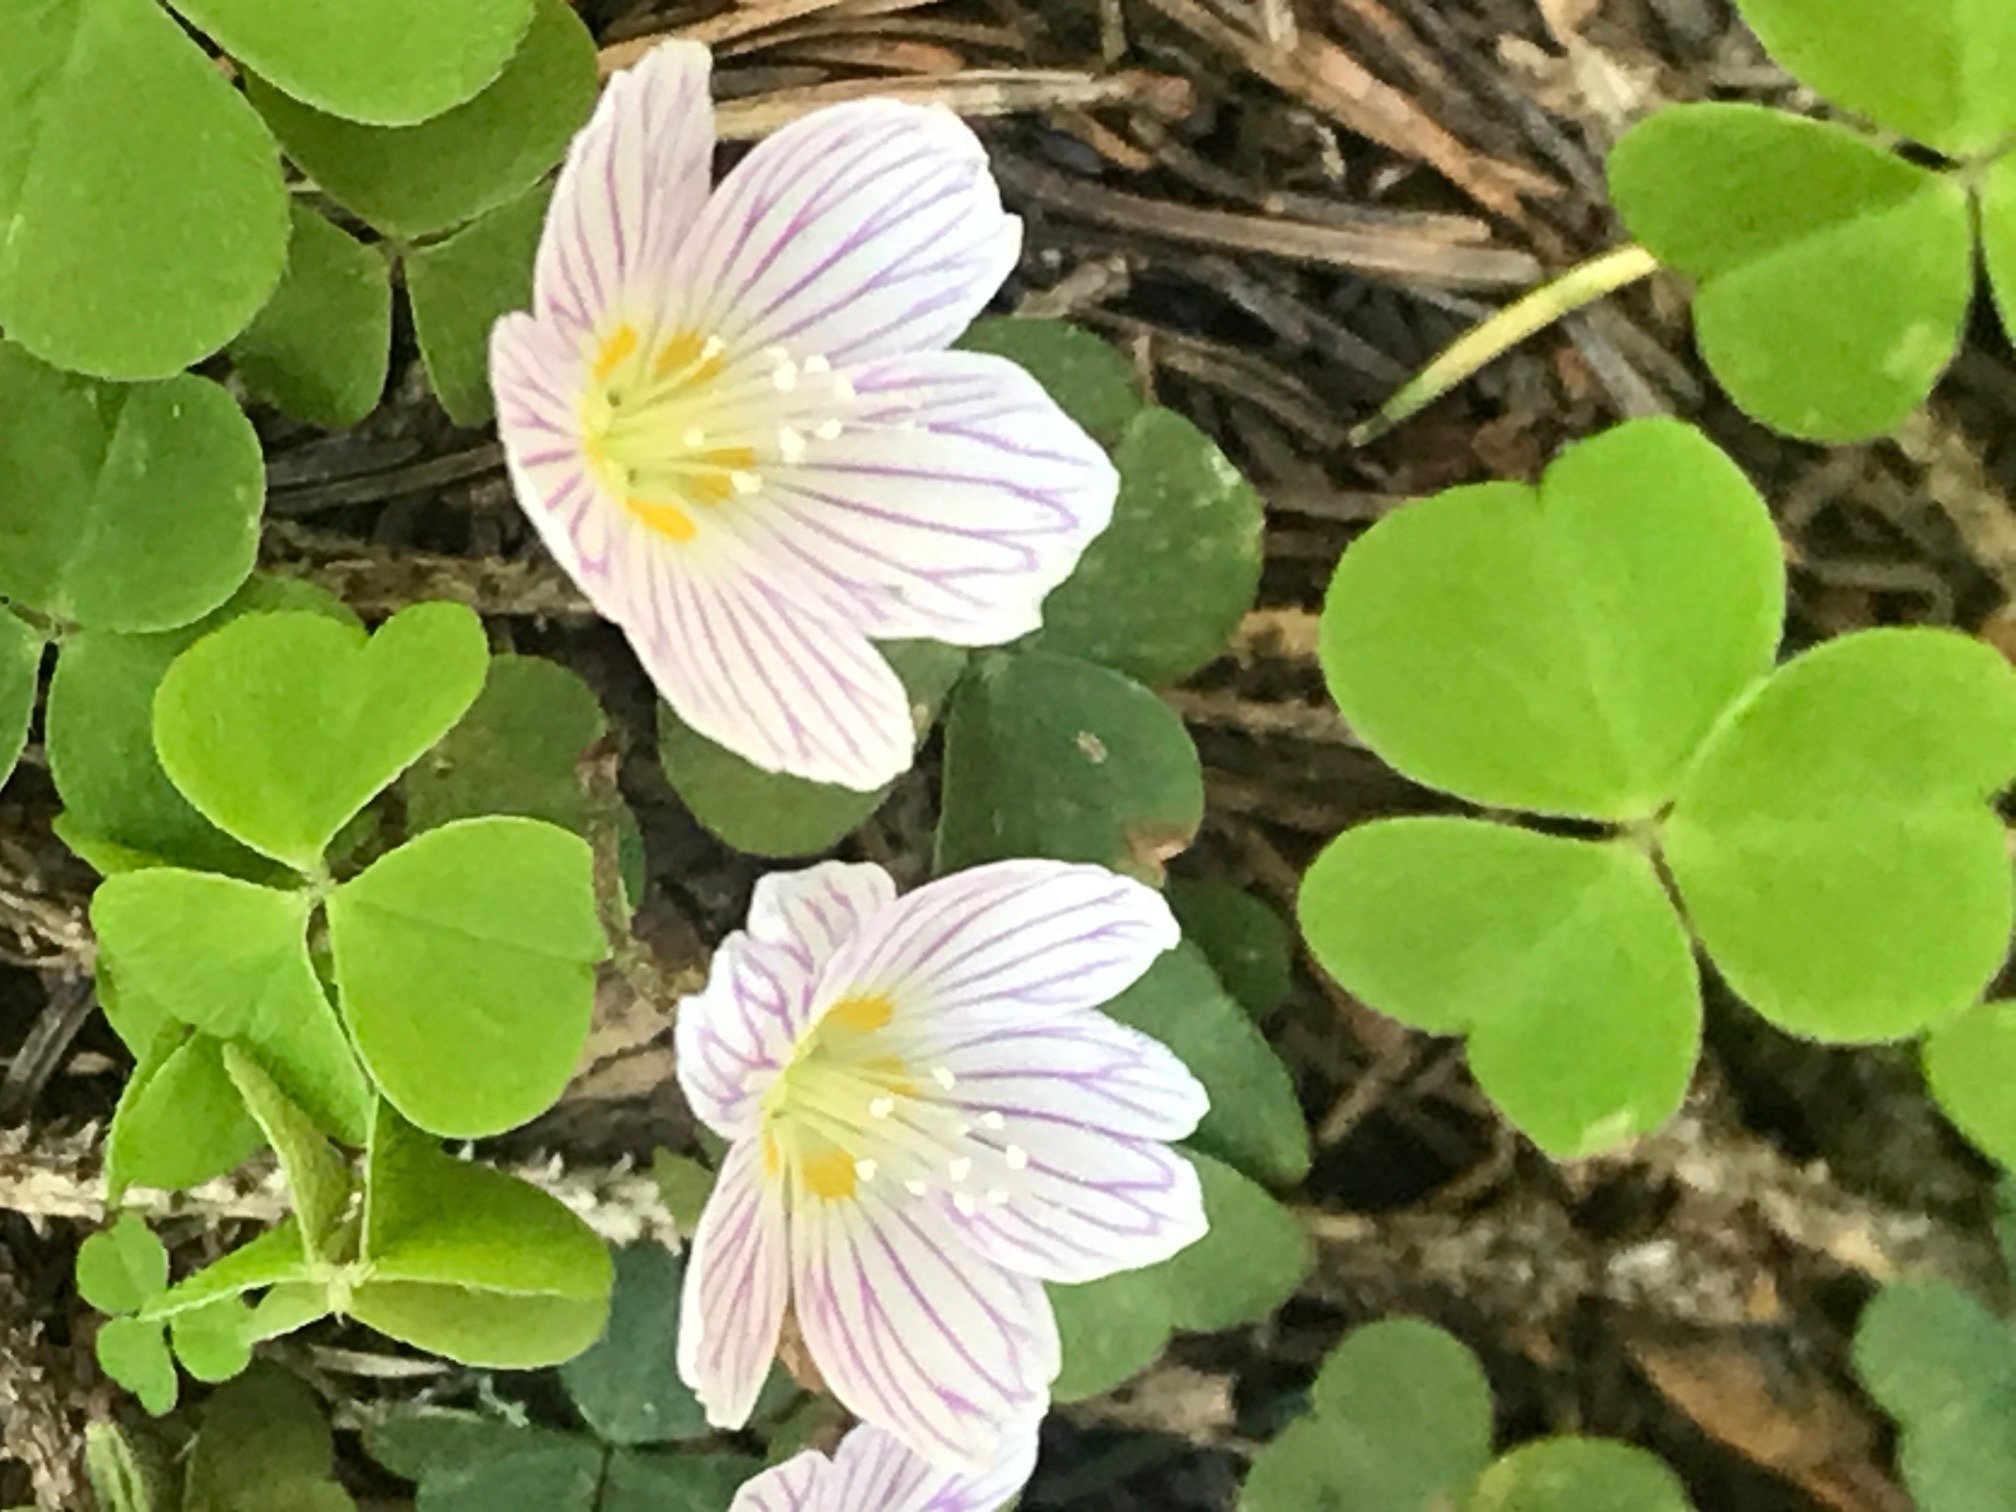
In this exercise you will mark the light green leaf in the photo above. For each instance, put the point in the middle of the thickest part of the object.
(1401, 1423)
(232, 959)
(474, 944)
(134, 1352)
(1565, 649)
(123, 1268)
(127, 507)
(146, 216)
(264, 1447)
(471, 1263)
(281, 727)
(1047, 755)
(125, 1477)
(320, 347)
(1834, 276)
(100, 738)
(1971, 1064)
(460, 287)
(1936, 70)
(1092, 382)
(1569, 1474)
(274, 1259)
(1945, 1368)
(627, 1386)
(1255, 1122)
(20, 662)
(470, 1464)
(1833, 843)
(1248, 944)
(289, 1306)
(1997, 213)
(1159, 592)
(318, 1179)
(773, 813)
(1249, 1263)
(412, 181)
(369, 60)
(179, 1121)
(1561, 959)
(214, 1342)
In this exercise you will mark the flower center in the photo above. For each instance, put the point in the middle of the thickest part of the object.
(851, 1109)
(677, 426)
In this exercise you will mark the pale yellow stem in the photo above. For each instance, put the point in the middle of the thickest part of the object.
(1580, 285)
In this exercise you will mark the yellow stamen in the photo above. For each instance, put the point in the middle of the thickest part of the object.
(668, 520)
(618, 347)
(864, 1014)
(709, 488)
(830, 1175)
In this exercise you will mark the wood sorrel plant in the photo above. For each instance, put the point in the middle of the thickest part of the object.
(299, 966)
(1600, 650)
(1834, 273)
(316, 1005)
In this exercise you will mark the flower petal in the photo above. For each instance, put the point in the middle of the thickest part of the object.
(803, 1483)
(953, 500)
(733, 1037)
(910, 1333)
(738, 1278)
(749, 669)
(1011, 943)
(1081, 1203)
(862, 230)
(1083, 1070)
(874, 1472)
(537, 380)
(635, 181)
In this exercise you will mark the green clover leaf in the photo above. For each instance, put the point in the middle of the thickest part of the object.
(1562, 960)
(146, 216)
(1400, 1420)
(1047, 755)
(412, 181)
(123, 507)
(1833, 842)
(369, 60)
(279, 728)
(474, 944)
(1560, 650)
(1936, 70)
(320, 348)
(1834, 275)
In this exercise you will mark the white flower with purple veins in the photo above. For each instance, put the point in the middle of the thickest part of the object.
(929, 1118)
(873, 1472)
(733, 419)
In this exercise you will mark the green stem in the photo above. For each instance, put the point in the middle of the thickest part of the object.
(1580, 285)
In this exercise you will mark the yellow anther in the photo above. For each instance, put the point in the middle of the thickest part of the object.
(668, 520)
(621, 343)
(830, 1175)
